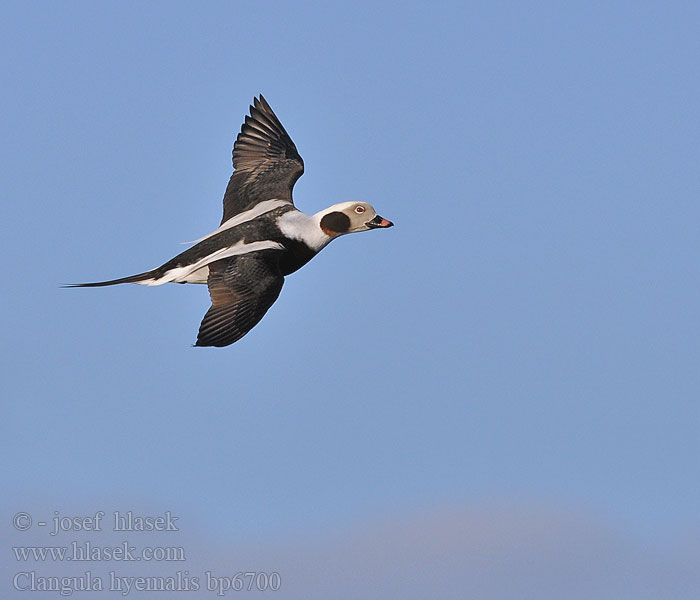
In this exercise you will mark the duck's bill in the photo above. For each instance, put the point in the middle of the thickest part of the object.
(379, 222)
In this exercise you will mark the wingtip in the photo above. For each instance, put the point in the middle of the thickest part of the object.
(261, 104)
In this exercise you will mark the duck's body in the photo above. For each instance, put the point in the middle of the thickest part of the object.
(262, 237)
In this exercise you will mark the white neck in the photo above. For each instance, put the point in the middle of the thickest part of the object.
(305, 228)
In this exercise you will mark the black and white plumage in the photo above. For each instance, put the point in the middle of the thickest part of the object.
(262, 236)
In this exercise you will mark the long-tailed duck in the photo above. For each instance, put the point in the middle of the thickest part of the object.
(262, 237)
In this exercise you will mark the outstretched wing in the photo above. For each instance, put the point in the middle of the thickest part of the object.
(242, 289)
(265, 161)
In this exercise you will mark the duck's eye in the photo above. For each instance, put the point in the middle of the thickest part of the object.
(359, 209)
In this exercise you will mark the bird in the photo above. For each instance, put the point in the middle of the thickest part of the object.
(262, 237)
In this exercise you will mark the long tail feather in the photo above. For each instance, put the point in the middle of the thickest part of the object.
(140, 278)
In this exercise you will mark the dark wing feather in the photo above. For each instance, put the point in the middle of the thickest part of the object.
(242, 289)
(265, 161)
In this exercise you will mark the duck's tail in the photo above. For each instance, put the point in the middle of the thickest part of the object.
(147, 278)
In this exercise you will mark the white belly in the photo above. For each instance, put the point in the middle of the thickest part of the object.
(198, 276)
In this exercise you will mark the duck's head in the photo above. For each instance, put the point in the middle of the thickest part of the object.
(350, 217)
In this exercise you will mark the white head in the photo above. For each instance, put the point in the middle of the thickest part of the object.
(350, 217)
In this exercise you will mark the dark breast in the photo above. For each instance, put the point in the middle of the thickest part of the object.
(295, 257)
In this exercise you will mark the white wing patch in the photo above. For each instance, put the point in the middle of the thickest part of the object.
(185, 274)
(244, 217)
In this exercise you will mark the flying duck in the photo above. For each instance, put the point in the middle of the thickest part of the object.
(262, 237)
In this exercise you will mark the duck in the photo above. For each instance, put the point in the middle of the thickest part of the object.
(262, 237)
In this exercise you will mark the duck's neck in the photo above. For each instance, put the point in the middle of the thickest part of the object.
(305, 228)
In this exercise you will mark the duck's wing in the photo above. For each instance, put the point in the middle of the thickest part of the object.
(242, 289)
(265, 161)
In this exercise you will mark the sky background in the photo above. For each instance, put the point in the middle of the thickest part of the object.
(497, 398)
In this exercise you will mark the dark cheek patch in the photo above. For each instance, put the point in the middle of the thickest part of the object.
(335, 223)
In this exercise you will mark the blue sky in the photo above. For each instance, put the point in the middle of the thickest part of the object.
(526, 337)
